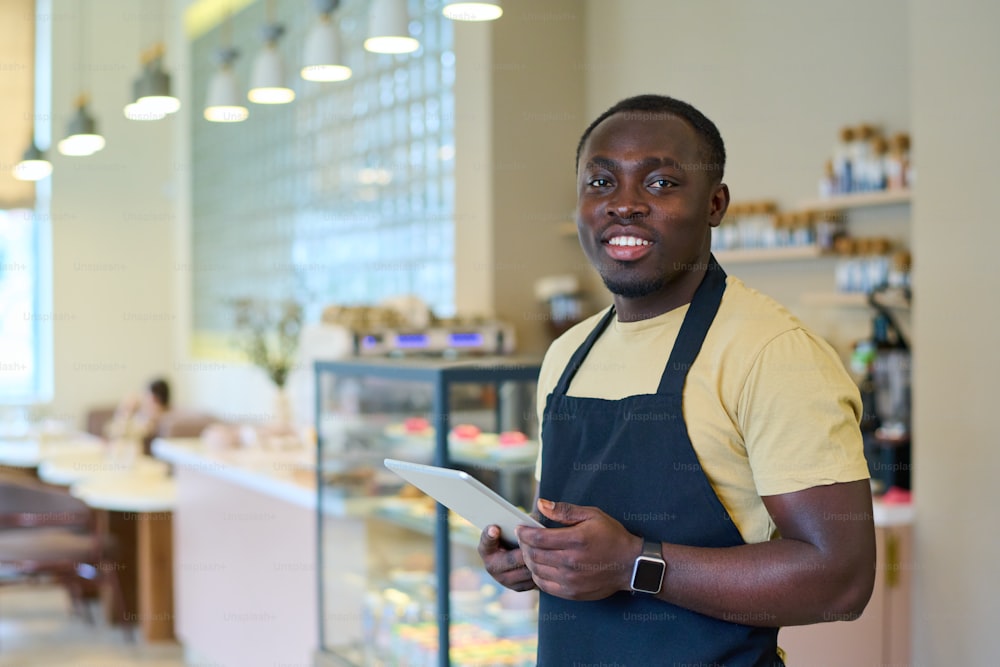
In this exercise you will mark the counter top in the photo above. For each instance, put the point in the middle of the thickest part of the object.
(29, 452)
(892, 514)
(288, 475)
(125, 492)
(70, 466)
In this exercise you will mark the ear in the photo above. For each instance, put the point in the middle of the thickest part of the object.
(718, 204)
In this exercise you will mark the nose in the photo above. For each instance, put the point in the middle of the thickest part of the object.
(627, 203)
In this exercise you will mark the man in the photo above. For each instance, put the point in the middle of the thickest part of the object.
(701, 475)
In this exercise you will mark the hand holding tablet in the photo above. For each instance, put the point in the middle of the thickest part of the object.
(466, 496)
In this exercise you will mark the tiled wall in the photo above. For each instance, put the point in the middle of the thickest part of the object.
(345, 195)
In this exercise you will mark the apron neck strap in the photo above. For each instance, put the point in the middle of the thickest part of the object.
(697, 320)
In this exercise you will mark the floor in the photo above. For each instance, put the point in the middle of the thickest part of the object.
(37, 629)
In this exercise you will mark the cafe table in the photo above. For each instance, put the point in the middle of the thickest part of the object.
(135, 505)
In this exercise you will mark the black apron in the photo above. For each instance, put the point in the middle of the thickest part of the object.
(633, 459)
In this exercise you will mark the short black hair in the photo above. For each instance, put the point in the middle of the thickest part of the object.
(715, 149)
(160, 390)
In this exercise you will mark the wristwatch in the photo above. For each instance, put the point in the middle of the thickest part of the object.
(649, 568)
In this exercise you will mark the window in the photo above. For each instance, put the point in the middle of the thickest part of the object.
(25, 320)
(344, 196)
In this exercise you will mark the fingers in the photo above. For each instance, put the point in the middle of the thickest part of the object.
(506, 566)
(566, 513)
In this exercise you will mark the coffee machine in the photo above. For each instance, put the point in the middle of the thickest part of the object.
(887, 394)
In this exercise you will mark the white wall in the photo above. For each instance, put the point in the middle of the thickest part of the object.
(955, 60)
(112, 215)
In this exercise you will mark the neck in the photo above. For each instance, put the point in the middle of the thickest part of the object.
(678, 291)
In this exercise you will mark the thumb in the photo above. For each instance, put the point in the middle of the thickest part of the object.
(564, 513)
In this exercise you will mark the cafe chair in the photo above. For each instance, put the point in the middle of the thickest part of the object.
(46, 534)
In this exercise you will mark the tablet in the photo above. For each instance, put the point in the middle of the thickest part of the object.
(466, 496)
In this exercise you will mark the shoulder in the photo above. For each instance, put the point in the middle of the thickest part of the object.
(749, 312)
(562, 348)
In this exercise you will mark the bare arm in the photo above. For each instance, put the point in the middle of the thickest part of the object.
(822, 568)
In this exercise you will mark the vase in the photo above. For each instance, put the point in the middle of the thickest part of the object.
(282, 420)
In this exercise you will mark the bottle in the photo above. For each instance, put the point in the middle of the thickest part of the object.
(898, 162)
(842, 161)
(877, 266)
(899, 272)
(802, 230)
(830, 226)
(860, 157)
(765, 213)
(845, 248)
(828, 181)
(877, 163)
(782, 234)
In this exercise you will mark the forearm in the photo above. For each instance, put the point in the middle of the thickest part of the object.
(777, 583)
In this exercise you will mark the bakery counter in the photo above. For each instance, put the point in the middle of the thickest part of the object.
(244, 554)
(286, 475)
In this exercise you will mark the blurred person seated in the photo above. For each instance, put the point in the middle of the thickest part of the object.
(139, 417)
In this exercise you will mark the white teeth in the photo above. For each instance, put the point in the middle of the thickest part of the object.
(628, 241)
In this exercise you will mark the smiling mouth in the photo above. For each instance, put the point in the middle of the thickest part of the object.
(628, 241)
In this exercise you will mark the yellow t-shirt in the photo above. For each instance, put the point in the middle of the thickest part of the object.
(768, 405)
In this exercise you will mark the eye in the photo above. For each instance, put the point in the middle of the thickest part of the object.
(599, 182)
(661, 183)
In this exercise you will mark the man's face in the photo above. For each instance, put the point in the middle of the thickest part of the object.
(646, 201)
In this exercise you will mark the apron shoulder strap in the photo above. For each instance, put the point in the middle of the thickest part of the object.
(581, 353)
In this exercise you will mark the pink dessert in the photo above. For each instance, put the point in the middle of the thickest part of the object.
(415, 425)
(512, 438)
(465, 432)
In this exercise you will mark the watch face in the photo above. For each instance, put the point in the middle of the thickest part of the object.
(647, 576)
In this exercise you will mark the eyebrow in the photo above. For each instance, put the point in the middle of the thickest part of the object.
(645, 164)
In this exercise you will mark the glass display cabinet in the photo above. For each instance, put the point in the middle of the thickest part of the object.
(400, 581)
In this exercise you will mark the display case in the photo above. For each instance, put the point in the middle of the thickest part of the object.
(400, 582)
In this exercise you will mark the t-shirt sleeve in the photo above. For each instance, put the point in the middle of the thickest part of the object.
(799, 413)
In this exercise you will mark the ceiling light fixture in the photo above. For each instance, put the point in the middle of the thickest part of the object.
(33, 166)
(267, 82)
(224, 103)
(82, 138)
(322, 58)
(156, 95)
(134, 110)
(473, 11)
(389, 28)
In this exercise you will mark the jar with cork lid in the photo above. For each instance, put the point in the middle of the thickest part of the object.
(897, 165)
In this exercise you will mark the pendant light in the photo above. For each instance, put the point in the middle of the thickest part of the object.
(267, 81)
(322, 58)
(224, 103)
(33, 166)
(389, 28)
(134, 110)
(156, 95)
(484, 10)
(82, 138)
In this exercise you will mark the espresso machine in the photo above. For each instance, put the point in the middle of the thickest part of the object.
(886, 391)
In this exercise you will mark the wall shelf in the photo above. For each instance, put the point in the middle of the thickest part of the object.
(890, 299)
(860, 200)
(751, 255)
